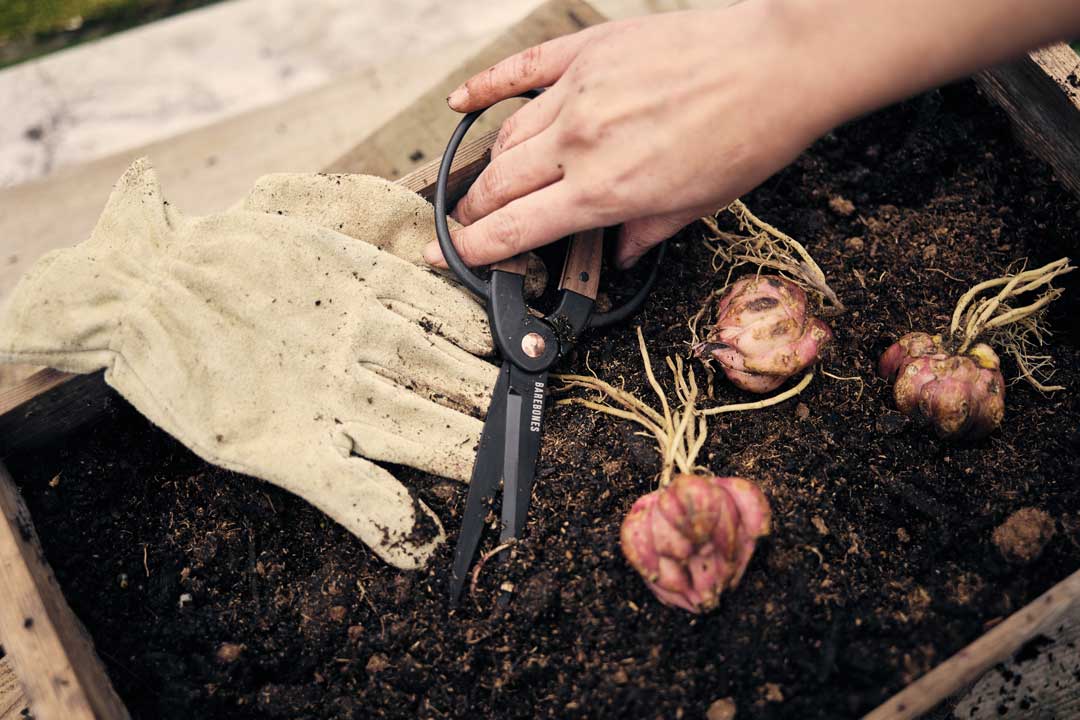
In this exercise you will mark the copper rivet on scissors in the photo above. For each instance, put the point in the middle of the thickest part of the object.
(533, 345)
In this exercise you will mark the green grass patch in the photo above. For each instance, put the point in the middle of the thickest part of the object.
(22, 19)
(29, 28)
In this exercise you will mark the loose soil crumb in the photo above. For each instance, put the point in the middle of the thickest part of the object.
(1023, 536)
(841, 206)
(824, 624)
(229, 652)
(722, 709)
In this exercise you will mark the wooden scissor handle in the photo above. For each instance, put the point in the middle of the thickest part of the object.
(518, 264)
(581, 270)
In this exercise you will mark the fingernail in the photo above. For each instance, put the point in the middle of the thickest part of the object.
(458, 98)
(433, 254)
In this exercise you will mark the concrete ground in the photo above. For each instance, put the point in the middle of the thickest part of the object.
(208, 65)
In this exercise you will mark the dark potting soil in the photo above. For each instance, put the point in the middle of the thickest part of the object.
(209, 594)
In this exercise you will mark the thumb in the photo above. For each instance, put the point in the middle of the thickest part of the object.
(639, 236)
(370, 503)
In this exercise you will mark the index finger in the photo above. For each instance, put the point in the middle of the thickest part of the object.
(538, 66)
(527, 223)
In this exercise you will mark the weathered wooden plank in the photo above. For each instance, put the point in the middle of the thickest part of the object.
(12, 701)
(470, 159)
(50, 651)
(1040, 684)
(47, 406)
(31, 387)
(419, 132)
(1044, 615)
(15, 374)
(1041, 94)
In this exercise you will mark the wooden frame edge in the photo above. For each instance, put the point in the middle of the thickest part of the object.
(47, 646)
(1050, 128)
(1041, 94)
(994, 646)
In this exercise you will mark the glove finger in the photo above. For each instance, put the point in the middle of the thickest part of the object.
(465, 327)
(372, 504)
(425, 364)
(67, 308)
(368, 208)
(364, 207)
(293, 255)
(320, 467)
(431, 302)
(136, 223)
(266, 285)
(386, 423)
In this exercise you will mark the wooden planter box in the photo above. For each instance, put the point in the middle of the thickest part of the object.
(50, 651)
(54, 658)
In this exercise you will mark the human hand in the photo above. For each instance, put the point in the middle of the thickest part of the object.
(654, 121)
(651, 122)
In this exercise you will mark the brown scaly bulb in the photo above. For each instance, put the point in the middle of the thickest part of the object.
(693, 538)
(955, 380)
(961, 394)
(764, 333)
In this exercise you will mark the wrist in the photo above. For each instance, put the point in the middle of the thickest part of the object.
(843, 57)
(862, 54)
(815, 64)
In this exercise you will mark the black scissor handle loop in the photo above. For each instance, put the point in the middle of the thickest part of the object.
(464, 273)
(483, 287)
(632, 305)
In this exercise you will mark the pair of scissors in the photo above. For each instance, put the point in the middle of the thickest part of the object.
(529, 346)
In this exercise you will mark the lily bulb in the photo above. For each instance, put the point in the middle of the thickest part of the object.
(962, 395)
(764, 333)
(693, 539)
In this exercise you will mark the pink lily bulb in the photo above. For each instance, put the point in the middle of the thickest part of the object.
(962, 395)
(764, 333)
(693, 539)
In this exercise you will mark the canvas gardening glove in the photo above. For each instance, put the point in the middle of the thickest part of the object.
(271, 342)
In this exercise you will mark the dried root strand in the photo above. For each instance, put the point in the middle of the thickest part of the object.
(971, 317)
(768, 247)
(475, 580)
(693, 428)
(668, 428)
(694, 322)
(767, 402)
(1022, 341)
(679, 434)
(1019, 330)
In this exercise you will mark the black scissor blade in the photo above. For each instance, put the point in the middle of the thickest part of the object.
(527, 397)
(487, 470)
